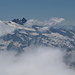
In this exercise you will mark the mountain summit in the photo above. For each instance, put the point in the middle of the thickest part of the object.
(20, 21)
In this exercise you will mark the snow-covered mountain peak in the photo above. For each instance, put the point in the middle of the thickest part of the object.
(14, 36)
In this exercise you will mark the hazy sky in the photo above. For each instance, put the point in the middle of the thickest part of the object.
(39, 9)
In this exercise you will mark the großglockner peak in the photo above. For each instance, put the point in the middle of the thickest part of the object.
(20, 21)
(16, 36)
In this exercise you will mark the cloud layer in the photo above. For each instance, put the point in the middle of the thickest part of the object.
(36, 61)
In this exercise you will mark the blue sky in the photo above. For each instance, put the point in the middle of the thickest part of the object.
(38, 9)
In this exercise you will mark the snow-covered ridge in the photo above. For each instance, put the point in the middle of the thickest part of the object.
(8, 27)
(14, 36)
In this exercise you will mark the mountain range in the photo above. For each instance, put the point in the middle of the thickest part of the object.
(16, 35)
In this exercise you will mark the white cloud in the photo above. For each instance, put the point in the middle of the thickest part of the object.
(32, 22)
(46, 23)
(56, 20)
(38, 61)
(52, 21)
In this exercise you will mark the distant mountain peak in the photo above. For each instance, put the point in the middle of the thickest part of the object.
(20, 21)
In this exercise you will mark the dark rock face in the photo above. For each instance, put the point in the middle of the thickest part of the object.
(20, 21)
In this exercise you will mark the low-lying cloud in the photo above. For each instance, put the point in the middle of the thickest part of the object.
(36, 61)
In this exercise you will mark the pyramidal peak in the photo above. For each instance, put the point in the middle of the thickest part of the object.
(20, 21)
